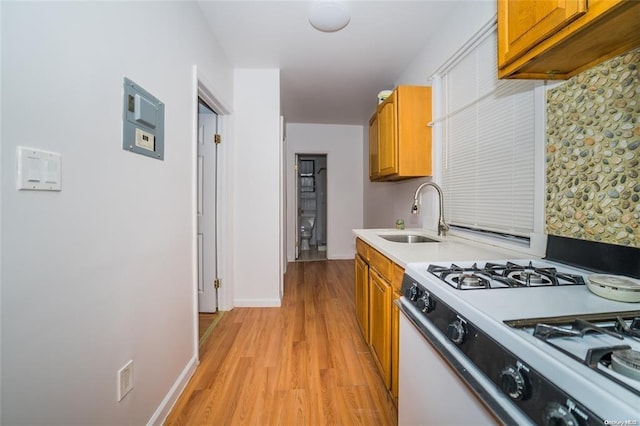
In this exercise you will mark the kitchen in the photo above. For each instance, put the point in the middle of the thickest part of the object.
(53, 248)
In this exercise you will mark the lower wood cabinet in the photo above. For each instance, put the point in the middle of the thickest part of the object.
(395, 345)
(377, 285)
(362, 295)
(380, 324)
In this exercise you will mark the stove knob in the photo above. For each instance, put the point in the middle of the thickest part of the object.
(456, 331)
(558, 415)
(412, 292)
(514, 382)
(425, 303)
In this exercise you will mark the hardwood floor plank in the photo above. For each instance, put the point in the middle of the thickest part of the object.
(305, 363)
(326, 397)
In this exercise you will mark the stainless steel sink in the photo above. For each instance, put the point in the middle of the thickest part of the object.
(408, 238)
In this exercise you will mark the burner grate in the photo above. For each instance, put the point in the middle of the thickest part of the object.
(502, 275)
(532, 276)
(597, 357)
(632, 329)
(461, 278)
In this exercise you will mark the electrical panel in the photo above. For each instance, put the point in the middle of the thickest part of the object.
(143, 122)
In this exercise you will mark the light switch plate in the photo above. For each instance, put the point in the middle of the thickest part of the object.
(38, 170)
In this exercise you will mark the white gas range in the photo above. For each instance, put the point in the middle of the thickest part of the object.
(526, 336)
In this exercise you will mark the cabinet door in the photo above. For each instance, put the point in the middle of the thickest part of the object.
(380, 324)
(362, 296)
(524, 23)
(374, 161)
(395, 346)
(387, 137)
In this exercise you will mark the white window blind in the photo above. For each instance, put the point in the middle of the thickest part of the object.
(487, 127)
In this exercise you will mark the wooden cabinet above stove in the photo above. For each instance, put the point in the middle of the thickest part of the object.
(557, 39)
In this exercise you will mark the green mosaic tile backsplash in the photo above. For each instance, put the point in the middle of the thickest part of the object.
(593, 154)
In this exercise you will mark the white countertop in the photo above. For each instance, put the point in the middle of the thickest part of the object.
(450, 248)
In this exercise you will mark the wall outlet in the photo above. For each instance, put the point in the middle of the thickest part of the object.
(125, 380)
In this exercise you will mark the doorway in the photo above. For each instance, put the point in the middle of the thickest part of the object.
(311, 218)
(207, 207)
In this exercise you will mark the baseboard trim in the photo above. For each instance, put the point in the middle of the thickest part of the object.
(257, 303)
(342, 256)
(163, 410)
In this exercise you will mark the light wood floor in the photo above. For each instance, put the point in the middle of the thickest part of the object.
(305, 363)
(204, 322)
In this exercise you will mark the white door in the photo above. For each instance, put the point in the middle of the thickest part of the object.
(207, 206)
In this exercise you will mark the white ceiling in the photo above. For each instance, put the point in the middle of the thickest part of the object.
(331, 78)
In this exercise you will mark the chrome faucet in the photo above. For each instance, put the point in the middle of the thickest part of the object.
(442, 226)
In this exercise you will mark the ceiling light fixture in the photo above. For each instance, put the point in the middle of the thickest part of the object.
(329, 15)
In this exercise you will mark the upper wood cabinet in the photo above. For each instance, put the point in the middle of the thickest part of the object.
(374, 162)
(400, 137)
(557, 39)
(530, 22)
(388, 136)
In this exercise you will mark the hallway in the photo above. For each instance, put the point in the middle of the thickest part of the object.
(305, 363)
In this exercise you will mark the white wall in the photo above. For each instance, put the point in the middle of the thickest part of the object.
(1, 245)
(257, 263)
(343, 146)
(101, 272)
(385, 202)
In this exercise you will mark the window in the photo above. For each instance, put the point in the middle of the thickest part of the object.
(487, 129)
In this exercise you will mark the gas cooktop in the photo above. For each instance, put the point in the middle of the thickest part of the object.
(547, 328)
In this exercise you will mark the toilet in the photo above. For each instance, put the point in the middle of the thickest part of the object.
(306, 231)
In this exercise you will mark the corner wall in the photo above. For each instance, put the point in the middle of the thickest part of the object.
(101, 272)
(256, 190)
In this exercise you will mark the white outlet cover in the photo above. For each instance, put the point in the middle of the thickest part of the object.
(125, 380)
